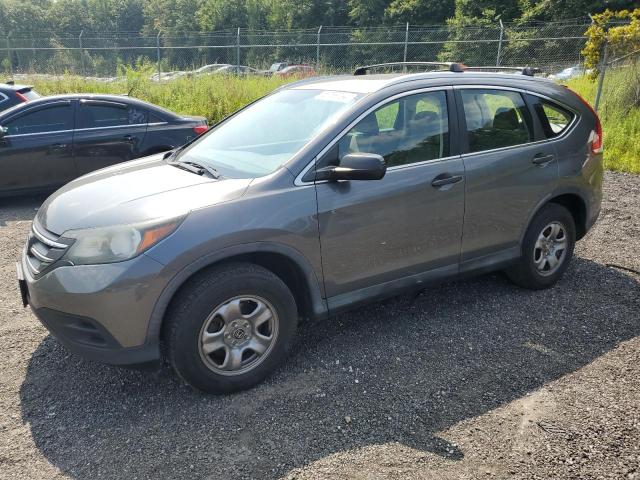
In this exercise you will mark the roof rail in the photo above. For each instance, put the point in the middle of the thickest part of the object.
(528, 71)
(450, 66)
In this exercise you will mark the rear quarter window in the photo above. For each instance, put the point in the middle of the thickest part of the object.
(554, 118)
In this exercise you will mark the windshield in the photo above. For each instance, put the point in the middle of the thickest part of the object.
(258, 140)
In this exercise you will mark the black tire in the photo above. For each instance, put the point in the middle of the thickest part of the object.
(203, 295)
(525, 273)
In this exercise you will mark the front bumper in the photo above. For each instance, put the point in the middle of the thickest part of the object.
(101, 312)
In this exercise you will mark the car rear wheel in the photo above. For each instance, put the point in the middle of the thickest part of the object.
(230, 327)
(546, 250)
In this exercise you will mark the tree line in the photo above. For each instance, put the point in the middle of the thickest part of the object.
(43, 36)
(175, 17)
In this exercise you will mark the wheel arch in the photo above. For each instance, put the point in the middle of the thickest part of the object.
(578, 209)
(285, 262)
(573, 201)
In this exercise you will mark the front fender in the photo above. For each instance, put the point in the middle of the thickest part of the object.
(318, 304)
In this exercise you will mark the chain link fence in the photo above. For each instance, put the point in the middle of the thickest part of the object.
(552, 47)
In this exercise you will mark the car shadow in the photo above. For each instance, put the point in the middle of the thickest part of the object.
(14, 209)
(401, 371)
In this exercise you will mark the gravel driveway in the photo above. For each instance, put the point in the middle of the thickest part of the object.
(472, 379)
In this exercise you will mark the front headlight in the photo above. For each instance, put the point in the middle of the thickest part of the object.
(117, 243)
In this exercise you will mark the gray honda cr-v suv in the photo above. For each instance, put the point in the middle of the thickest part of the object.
(325, 194)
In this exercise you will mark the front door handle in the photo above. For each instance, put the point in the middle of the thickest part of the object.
(58, 146)
(542, 159)
(445, 179)
(128, 138)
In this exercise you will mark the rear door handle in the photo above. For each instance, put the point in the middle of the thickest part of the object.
(59, 146)
(128, 138)
(445, 179)
(542, 159)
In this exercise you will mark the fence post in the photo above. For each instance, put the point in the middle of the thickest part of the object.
(603, 69)
(238, 48)
(318, 49)
(406, 42)
(81, 53)
(158, 56)
(9, 57)
(500, 43)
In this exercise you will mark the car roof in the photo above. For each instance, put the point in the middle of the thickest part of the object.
(372, 83)
(109, 98)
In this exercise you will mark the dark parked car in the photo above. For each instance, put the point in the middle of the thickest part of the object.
(52, 140)
(327, 194)
(11, 94)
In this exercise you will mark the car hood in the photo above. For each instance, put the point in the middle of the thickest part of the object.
(133, 192)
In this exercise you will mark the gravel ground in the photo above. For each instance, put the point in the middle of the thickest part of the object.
(472, 379)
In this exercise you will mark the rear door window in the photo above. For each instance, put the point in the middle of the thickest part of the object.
(553, 118)
(496, 119)
(49, 119)
(102, 115)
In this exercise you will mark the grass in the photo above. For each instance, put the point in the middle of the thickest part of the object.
(215, 97)
(620, 115)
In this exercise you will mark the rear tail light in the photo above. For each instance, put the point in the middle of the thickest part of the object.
(21, 97)
(200, 129)
(596, 135)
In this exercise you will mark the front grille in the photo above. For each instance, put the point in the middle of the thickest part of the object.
(43, 249)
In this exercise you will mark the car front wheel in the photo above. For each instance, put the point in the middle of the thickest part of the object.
(230, 327)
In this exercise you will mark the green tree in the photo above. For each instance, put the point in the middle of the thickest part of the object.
(554, 10)
(420, 12)
(366, 13)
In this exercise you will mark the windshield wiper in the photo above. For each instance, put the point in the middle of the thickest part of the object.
(196, 168)
(171, 154)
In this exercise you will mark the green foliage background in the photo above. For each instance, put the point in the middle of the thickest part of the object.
(176, 17)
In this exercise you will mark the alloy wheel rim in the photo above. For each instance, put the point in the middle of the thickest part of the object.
(238, 335)
(550, 249)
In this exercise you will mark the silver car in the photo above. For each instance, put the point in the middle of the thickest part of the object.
(326, 194)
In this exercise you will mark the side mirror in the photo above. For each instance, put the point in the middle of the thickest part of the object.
(3, 131)
(355, 166)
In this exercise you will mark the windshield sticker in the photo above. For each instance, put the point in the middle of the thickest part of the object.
(331, 96)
